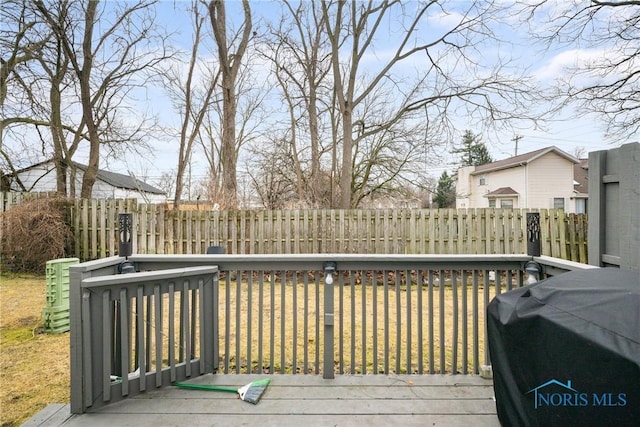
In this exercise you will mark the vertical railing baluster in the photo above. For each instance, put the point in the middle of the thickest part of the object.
(283, 322)
(352, 322)
(194, 322)
(148, 335)
(363, 303)
(441, 285)
(398, 320)
(341, 332)
(385, 284)
(238, 325)
(454, 318)
(172, 331)
(432, 319)
(260, 320)
(186, 326)
(157, 305)
(204, 348)
(465, 321)
(272, 329)
(476, 319)
(409, 285)
(305, 321)
(249, 274)
(140, 344)
(487, 290)
(182, 325)
(294, 321)
(227, 323)
(106, 345)
(520, 278)
(125, 352)
(374, 318)
(420, 313)
(215, 314)
(317, 337)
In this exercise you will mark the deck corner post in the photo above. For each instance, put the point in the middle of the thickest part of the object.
(327, 371)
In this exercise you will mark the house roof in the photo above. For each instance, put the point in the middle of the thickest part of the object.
(502, 191)
(580, 177)
(521, 160)
(114, 179)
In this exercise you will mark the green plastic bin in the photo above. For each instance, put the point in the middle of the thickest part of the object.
(56, 312)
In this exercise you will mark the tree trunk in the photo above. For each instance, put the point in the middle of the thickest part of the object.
(89, 177)
(229, 67)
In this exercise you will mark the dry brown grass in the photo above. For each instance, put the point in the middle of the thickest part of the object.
(34, 367)
(354, 331)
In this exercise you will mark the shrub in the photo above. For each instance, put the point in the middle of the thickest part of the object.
(35, 232)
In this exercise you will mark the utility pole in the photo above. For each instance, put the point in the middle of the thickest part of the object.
(517, 138)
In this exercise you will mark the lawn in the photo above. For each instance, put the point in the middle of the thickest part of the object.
(34, 366)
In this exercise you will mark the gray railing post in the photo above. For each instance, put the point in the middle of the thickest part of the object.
(327, 371)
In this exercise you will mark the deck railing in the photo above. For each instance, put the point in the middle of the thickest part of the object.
(180, 316)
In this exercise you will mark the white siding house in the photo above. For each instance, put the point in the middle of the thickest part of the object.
(541, 179)
(41, 177)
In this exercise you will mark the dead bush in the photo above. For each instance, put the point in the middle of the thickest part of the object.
(35, 232)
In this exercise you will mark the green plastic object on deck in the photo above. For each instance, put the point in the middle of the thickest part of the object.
(251, 392)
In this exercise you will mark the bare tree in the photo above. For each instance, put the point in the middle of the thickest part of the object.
(298, 50)
(607, 83)
(192, 98)
(273, 176)
(108, 67)
(22, 41)
(451, 77)
(230, 63)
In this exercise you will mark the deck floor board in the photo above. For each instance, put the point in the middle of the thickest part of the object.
(347, 400)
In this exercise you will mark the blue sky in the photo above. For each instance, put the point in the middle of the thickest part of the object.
(566, 131)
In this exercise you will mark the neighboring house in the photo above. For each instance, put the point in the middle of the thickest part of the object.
(542, 179)
(41, 177)
(581, 185)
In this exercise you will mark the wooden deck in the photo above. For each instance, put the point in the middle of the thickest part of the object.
(295, 400)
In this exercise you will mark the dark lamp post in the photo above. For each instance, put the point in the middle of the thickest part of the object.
(125, 235)
(533, 234)
(125, 242)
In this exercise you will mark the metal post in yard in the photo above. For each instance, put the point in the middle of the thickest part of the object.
(125, 224)
(327, 371)
(532, 268)
(533, 233)
(125, 242)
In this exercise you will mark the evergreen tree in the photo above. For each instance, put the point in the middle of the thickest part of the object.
(473, 151)
(445, 192)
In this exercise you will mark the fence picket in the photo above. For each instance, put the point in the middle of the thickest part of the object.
(425, 231)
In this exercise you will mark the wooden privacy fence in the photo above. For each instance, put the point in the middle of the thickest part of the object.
(158, 230)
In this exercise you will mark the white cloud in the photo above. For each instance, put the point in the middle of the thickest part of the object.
(560, 64)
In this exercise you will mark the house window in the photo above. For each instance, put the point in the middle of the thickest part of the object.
(492, 203)
(558, 203)
(506, 203)
(483, 180)
(581, 206)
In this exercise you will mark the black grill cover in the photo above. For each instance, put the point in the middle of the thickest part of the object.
(566, 351)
